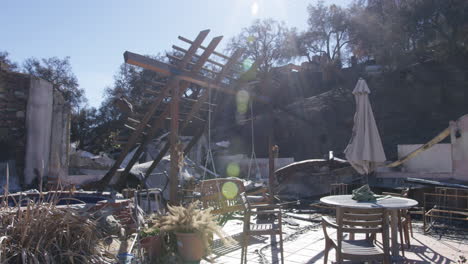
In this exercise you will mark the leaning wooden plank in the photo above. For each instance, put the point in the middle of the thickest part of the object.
(436, 183)
(237, 54)
(157, 124)
(174, 140)
(214, 52)
(133, 138)
(166, 69)
(197, 56)
(424, 147)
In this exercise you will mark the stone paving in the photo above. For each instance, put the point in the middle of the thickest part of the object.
(304, 243)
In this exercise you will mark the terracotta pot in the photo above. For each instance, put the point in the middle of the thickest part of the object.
(152, 246)
(190, 246)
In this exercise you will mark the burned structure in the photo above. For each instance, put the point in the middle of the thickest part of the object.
(186, 87)
(34, 130)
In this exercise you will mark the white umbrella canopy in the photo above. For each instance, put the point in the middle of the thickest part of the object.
(364, 151)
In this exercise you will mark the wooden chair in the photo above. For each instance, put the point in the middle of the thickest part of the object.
(405, 226)
(353, 221)
(338, 188)
(212, 197)
(335, 189)
(270, 228)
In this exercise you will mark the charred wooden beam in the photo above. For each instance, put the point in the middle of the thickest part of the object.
(133, 138)
(197, 56)
(174, 140)
(196, 108)
(157, 124)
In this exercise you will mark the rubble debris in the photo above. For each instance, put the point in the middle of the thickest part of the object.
(311, 178)
(81, 159)
(34, 128)
(158, 177)
(436, 183)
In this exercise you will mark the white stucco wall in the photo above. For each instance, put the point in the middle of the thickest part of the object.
(437, 159)
(243, 162)
(460, 148)
(38, 128)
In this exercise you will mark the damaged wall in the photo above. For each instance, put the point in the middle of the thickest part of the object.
(60, 138)
(38, 127)
(14, 89)
(34, 127)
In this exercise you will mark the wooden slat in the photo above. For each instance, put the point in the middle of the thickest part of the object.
(134, 137)
(204, 68)
(183, 86)
(131, 141)
(166, 69)
(362, 223)
(202, 47)
(237, 54)
(362, 216)
(198, 56)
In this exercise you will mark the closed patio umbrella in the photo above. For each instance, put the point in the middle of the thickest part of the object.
(364, 151)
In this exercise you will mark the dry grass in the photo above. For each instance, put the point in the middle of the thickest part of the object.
(191, 219)
(41, 232)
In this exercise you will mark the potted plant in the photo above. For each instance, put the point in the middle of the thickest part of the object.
(193, 228)
(151, 241)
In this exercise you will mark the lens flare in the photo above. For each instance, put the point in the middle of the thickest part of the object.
(233, 170)
(254, 8)
(242, 100)
(246, 64)
(230, 190)
(250, 39)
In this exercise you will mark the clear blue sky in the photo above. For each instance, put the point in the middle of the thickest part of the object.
(95, 33)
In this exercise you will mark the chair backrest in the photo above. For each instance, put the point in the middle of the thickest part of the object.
(214, 186)
(352, 220)
(338, 188)
(365, 221)
(212, 196)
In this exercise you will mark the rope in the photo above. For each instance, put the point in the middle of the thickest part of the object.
(209, 154)
(253, 156)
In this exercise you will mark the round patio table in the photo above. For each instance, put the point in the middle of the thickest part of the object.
(390, 203)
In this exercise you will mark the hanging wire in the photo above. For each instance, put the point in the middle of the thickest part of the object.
(209, 153)
(253, 156)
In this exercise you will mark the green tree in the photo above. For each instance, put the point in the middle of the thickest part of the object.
(400, 33)
(264, 41)
(328, 32)
(6, 63)
(58, 72)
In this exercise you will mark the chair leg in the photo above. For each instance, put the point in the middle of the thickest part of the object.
(410, 224)
(242, 255)
(407, 236)
(338, 256)
(327, 249)
(244, 250)
(281, 246)
(400, 231)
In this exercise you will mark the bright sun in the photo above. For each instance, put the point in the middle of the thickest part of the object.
(254, 8)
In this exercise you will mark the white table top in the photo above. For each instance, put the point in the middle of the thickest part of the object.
(390, 202)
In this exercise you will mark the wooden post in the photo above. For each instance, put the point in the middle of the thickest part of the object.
(174, 138)
(271, 145)
(271, 166)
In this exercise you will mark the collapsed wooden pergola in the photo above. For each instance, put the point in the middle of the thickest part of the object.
(187, 72)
